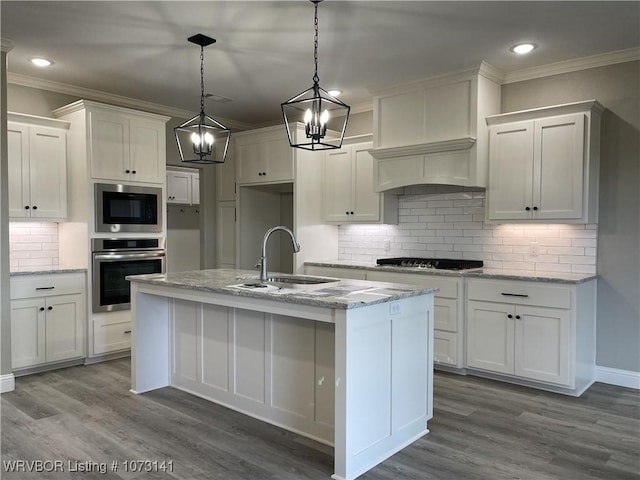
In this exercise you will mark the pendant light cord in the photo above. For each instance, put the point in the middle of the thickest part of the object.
(201, 80)
(316, 80)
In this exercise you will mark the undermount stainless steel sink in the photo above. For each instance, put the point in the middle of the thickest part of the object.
(293, 279)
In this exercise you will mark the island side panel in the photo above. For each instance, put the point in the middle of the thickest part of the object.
(383, 381)
(150, 362)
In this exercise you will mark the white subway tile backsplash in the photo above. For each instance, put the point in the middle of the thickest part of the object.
(451, 224)
(33, 246)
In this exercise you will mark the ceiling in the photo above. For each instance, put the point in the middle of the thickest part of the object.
(264, 50)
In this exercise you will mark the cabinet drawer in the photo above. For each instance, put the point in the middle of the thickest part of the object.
(110, 337)
(29, 286)
(445, 348)
(521, 293)
(335, 272)
(445, 314)
(447, 286)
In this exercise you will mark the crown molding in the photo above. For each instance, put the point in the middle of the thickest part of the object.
(6, 45)
(113, 99)
(573, 65)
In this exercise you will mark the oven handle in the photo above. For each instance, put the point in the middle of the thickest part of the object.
(127, 256)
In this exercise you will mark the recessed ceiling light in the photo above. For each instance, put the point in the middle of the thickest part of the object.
(40, 62)
(334, 93)
(522, 48)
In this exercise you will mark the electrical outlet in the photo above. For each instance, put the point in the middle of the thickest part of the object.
(394, 308)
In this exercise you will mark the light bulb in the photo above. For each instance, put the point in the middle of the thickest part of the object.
(324, 118)
(195, 138)
(308, 116)
(208, 138)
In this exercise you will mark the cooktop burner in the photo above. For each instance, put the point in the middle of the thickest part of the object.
(437, 263)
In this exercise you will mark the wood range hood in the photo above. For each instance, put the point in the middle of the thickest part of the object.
(433, 131)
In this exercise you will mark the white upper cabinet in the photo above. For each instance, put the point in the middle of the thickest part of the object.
(263, 156)
(348, 195)
(37, 167)
(183, 186)
(433, 131)
(543, 164)
(124, 147)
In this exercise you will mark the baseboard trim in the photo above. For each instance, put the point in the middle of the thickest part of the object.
(7, 383)
(620, 378)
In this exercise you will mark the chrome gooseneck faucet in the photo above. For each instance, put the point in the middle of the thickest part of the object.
(263, 258)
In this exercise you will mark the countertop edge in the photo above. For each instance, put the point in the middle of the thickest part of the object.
(48, 272)
(523, 275)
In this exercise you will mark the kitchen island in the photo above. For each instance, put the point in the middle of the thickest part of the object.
(345, 362)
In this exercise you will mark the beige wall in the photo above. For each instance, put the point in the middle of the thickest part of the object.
(617, 88)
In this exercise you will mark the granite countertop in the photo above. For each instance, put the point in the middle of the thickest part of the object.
(341, 293)
(497, 273)
(49, 272)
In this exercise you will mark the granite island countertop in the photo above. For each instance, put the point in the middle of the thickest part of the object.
(341, 293)
(497, 273)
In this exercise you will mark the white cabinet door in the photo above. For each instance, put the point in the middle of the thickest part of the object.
(37, 171)
(278, 164)
(248, 162)
(146, 151)
(179, 187)
(64, 327)
(542, 344)
(48, 172)
(559, 168)
(510, 190)
(18, 175)
(27, 332)
(490, 336)
(366, 202)
(109, 146)
(337, 185)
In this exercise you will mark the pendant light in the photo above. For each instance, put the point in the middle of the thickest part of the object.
(202, 139)
(315, 108)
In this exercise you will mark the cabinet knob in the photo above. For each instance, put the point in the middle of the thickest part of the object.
(527, 208)
(133, 171)
(517, 317)
(351, 213)
(535, 208)
(26, 207)
(509, 316)
(35, 207)
(346, 213)
(42, 309)
(49, 308)
(127, 171)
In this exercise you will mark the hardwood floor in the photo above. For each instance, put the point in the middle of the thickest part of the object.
(481, 430)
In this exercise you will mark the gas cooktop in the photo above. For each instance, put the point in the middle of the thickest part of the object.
(436, 263)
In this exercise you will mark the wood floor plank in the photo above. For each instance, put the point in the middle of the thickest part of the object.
(481, 430)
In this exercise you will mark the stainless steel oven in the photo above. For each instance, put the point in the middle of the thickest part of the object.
(113, 260)
(128, 208)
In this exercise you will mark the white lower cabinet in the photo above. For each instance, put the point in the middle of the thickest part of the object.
(47, 328)
(532, 332)
(448, 334)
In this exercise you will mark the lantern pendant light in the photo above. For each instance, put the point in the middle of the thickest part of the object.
(315, 108)
(202, 139)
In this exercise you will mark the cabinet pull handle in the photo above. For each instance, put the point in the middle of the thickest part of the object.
(26, 207)
(127, 331)
(42, 309)
(35, 207)
(127, 171)
(45, 288)
(509, 316)
(515, 295)
(49, 308)
(535, 208)
(527, 208)
(133, 171)
(517, 317)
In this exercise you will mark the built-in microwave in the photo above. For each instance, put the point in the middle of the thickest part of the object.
(128, 208)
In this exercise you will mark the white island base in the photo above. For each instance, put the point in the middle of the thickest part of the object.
(359, 379)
